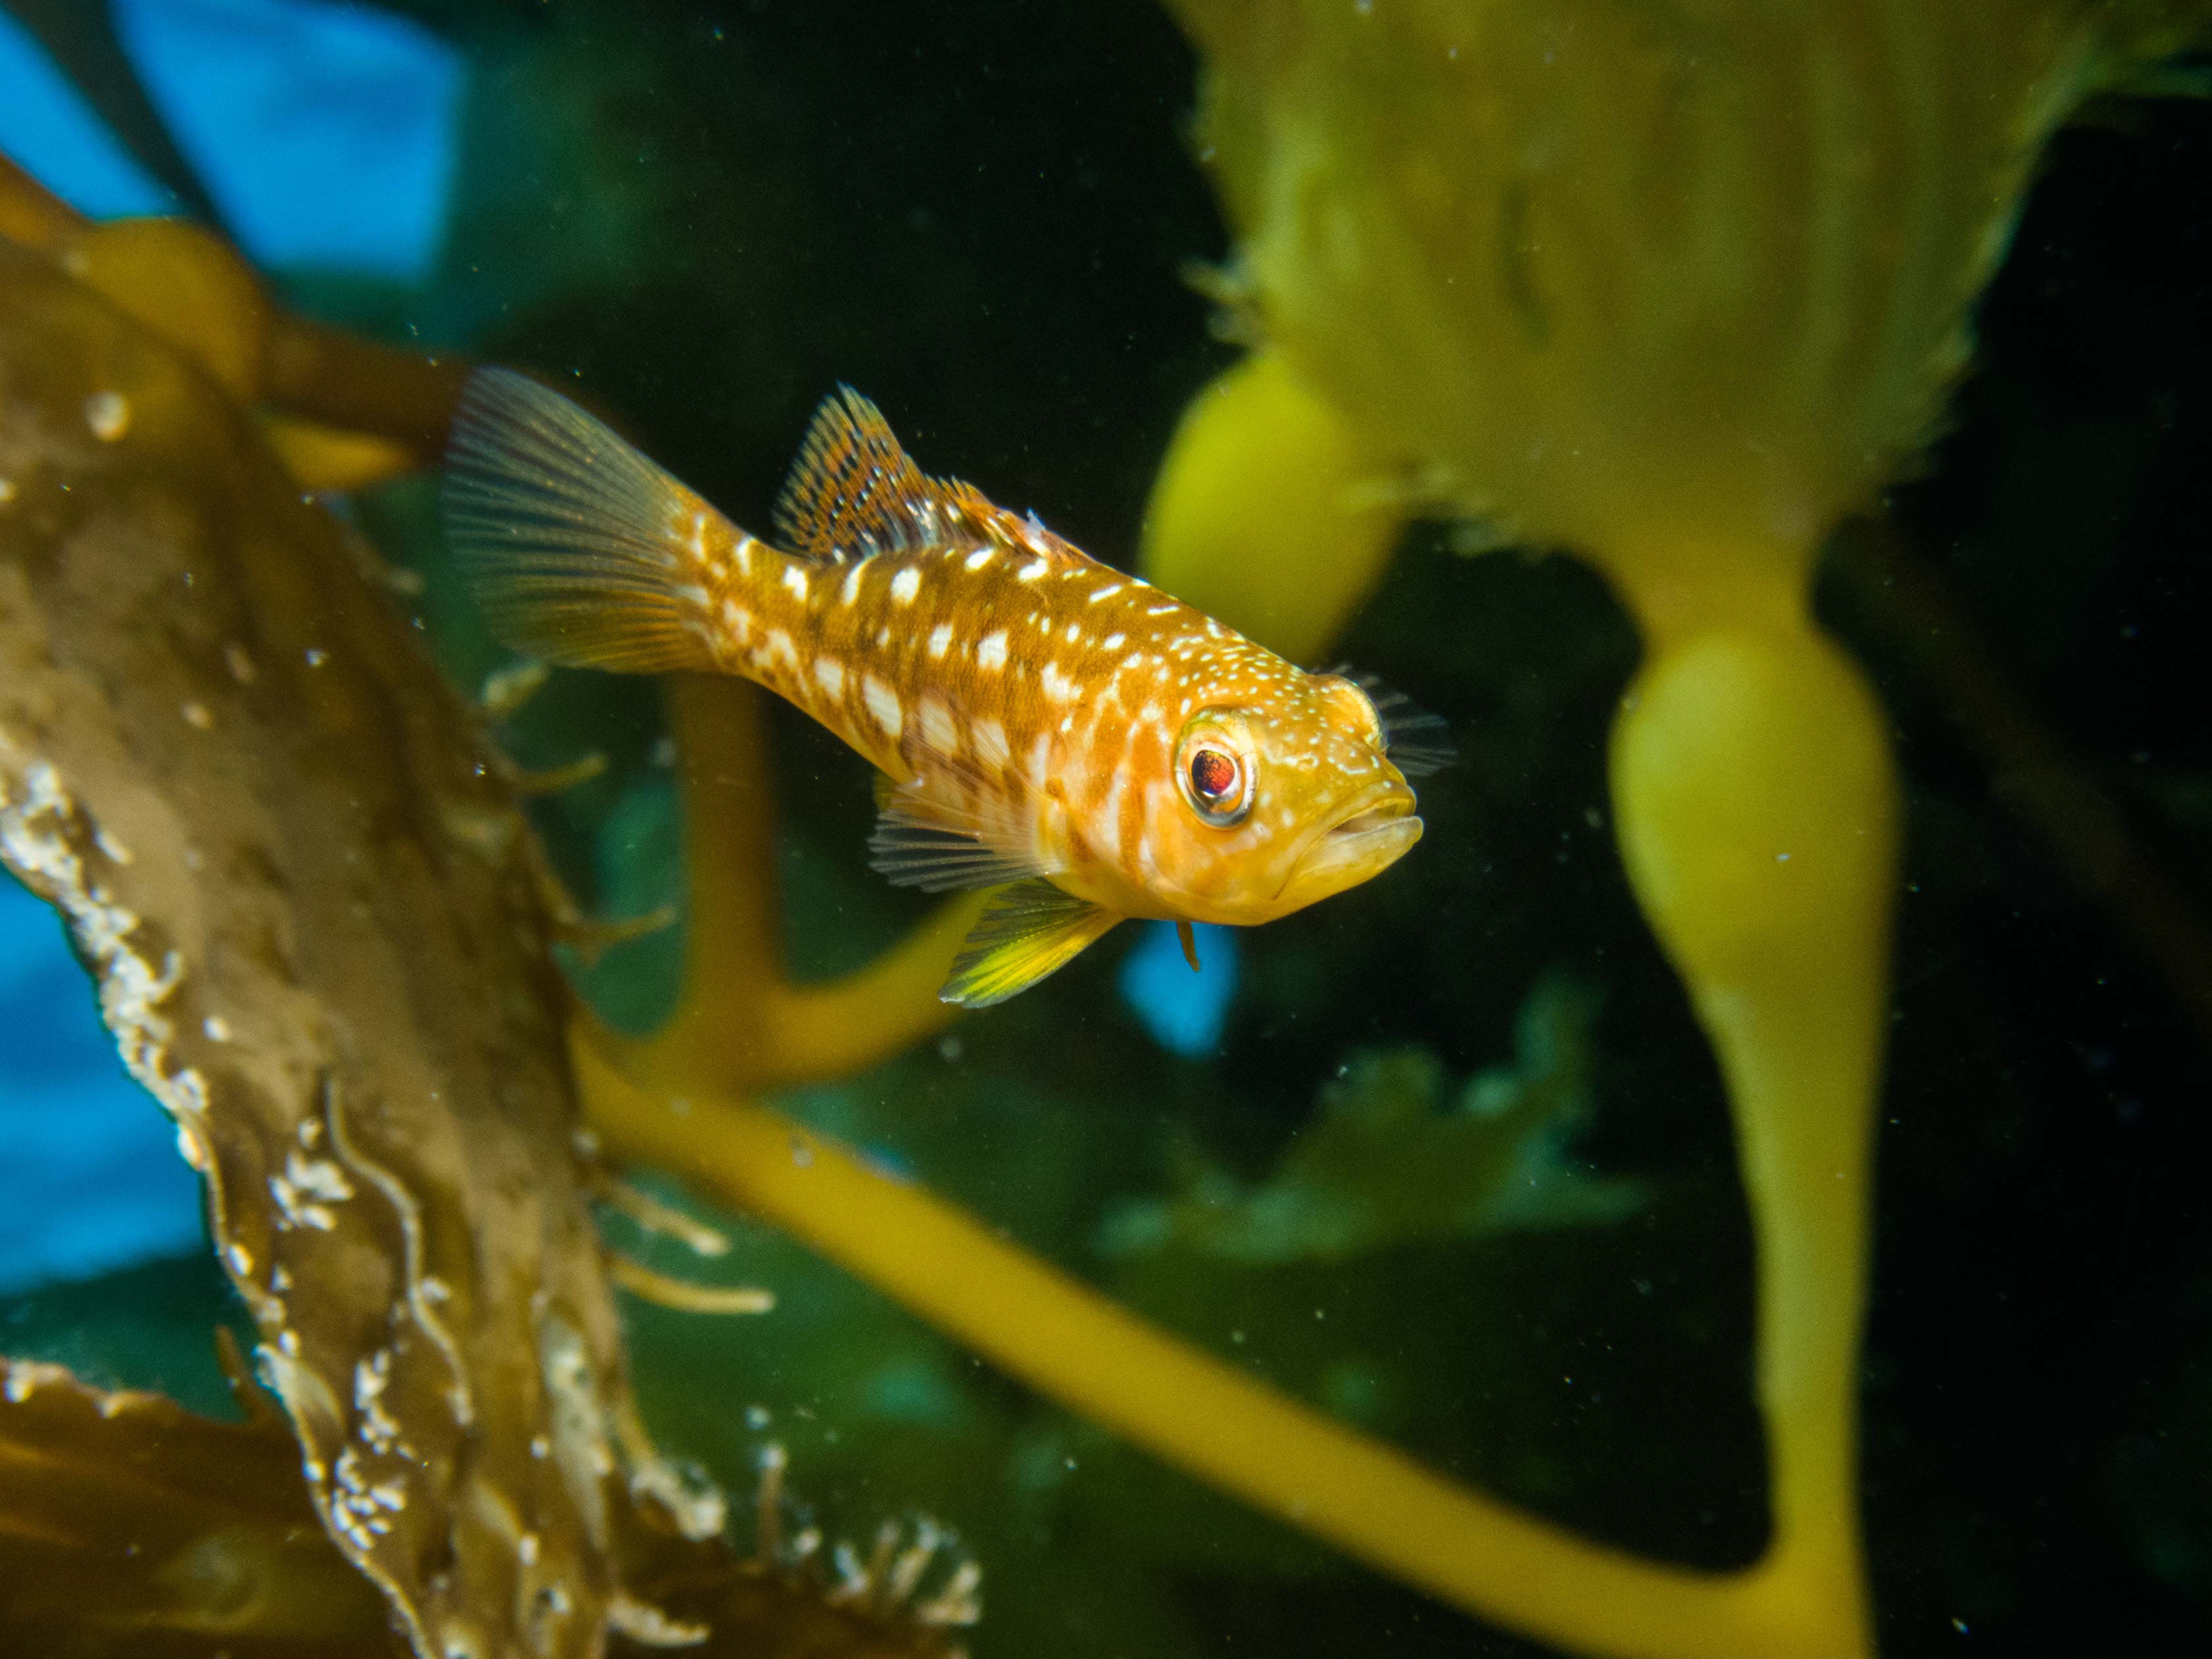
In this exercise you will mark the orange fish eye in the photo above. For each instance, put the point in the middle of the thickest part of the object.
(1213, 776)
(1219, 785)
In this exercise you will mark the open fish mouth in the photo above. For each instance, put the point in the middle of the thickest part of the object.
(1375, 833)
(1396, 809)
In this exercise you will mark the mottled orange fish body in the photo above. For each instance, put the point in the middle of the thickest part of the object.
(1042, 722)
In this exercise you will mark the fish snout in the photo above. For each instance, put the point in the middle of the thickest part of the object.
(1372, 832)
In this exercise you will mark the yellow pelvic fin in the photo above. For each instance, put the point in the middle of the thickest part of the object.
(582, 551)
(1029, 930)
(853, 492)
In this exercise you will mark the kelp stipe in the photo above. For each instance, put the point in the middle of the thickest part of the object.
(1610, 294)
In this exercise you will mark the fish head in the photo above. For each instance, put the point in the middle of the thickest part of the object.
(1280, 798)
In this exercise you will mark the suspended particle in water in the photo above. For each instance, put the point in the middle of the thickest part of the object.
(108, 414)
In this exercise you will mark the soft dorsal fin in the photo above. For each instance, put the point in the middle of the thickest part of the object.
(853, 492)
(1028, 930)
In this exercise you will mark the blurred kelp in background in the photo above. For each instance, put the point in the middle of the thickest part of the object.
(1537, 1280)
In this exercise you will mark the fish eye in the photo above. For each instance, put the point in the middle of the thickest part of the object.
(1218, 782)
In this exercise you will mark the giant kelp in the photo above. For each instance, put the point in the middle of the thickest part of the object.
(923, 1109)
(1675, 293)
(317, 920)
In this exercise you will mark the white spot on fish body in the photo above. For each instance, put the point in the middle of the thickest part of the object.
(779, 645)
(991, 652)
(744, 556)
(737, 620)
(1107, 822)
(979, 558)
(1074, 632)
(1107, 592)
(830, 674)
(1114, 641)
(1160, 611)
(851, 590)
(1031, 571)
(1058, 686)
(795, 580)
(990, 742)
(940, 639)
(939, 729)
(883, 704)
(906, 585)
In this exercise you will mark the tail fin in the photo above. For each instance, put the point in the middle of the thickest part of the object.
(580, 550)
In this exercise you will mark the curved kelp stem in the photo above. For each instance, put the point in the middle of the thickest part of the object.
(343, 412)
(1757, 805)
(1194, 1412)
(740, 1024)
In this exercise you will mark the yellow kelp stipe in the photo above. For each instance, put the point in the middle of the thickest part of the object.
(1676, 294)
(741, 1024)
(1757, 812)
(1294, 575)
(1198, 1413)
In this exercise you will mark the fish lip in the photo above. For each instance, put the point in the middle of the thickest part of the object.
(1365, 819)
(1374, 830)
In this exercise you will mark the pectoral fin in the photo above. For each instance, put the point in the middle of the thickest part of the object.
(1029, 930)
(925, 843)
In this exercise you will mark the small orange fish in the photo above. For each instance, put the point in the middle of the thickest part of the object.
(1044, 724)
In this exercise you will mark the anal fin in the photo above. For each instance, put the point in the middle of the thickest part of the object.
(1028, 930)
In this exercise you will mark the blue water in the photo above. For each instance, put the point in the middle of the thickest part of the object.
(90, 1177)
(1184, 1012)
(47, 128)
(324, 133)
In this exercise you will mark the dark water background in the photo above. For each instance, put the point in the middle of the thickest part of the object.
(982, 216)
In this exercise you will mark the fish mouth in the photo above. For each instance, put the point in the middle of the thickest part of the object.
(1373, 818)
(1376, 830)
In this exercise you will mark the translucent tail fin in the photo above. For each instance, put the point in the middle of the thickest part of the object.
(580, 550)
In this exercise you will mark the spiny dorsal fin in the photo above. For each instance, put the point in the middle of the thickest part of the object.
(853, 492)
(1419, 744)
(1028, 930)
(577, 545)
